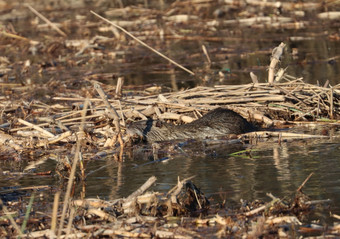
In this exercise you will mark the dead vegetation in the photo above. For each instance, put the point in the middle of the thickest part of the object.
(147, 214)
(85, 117)
(281, 104)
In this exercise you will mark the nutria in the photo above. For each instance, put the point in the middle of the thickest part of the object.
(217, 122)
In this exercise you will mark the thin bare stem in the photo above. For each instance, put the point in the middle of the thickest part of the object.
(51, 24)
(304, 182)
(55, 212)
(41, 130)
(112, 111)
(27, 214)
(7, 34)
(69, 187)
(70, 220)
(73, 171)
(143, 43)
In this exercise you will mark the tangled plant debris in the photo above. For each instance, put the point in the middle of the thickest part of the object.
(57, 99)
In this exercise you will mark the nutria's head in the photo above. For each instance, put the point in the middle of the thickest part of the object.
(137, 131)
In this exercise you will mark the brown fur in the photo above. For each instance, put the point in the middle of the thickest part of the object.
(217, 122)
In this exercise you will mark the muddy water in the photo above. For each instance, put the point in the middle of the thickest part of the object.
(269, 168)
(279, 169)
(315, 59)
(312, 53)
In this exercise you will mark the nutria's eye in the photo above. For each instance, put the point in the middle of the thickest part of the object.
(158, 124)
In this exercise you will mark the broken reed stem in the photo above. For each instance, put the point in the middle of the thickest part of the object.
(69, 187)
(144, 44)
(113, 115)
(206, 53)
(112, 111)
(142, 188)
(103, 215)
(73, 171)
(175, 188)
(55, 212)
(318, 112)
(121, 113)
(41, 130)
(51, 24)
(11, 35)
(119, 86)
(121, 143)
(197, 200)
(304, 182)
(55, 139)
(259, 209)
(276, 55)
(254, 78)
(62, 121)
(69, 224)
(82, 134)
(331, 103)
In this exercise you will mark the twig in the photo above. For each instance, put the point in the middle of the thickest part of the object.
(51, 24)
(318, 201)
(266, 134)
(177, 189)
(197, 200)
(100, 168)
(113, 115)
(41, 130)
(259, 209)
(286, 219)
(256, 210)
(63, 121)
(304, 182)
(100, 213)
(55, 139)
(7, 34)
(164, 159)
(142, 43)
(142, 188)
(112, 111)
(336, 216)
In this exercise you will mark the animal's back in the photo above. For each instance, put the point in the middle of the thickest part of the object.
(217, 122)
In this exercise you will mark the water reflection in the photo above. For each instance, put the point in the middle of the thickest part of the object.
(278, 168)
(316, 60)
(271, 167)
